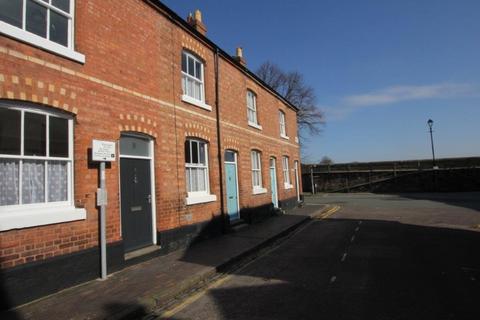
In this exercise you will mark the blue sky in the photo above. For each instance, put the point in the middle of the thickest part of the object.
(380, 68)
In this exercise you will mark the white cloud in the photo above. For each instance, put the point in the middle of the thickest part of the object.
(396, 94)
(402, 93)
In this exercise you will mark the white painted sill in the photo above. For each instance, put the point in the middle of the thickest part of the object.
(259, 190)
(255, 125)
(33, 217)
(37, 41)
(288, 186)
(196, 102)
(200, 199)
(285, 137)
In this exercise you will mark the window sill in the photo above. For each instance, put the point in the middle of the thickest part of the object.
(196, 102)
(200, 199)
(40, 42)
(288, 186)
(255, 125)
(26, 218)
(285, 137)
(259, 190)
(296, 139)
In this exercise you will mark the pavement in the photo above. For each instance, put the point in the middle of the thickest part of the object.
(385, 257)
(140, 289)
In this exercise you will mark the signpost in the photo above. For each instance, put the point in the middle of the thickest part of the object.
(103, 151)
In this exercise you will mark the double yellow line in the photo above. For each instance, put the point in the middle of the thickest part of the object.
(328, 213)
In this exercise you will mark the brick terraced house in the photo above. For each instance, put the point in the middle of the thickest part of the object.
(201, 142)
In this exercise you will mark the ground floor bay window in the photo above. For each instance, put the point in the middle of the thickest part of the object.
(36, 165)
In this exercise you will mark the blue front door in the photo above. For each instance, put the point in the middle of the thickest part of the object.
(232, 194)
(273, 183)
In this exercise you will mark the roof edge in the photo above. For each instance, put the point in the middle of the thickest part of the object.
(172, 15)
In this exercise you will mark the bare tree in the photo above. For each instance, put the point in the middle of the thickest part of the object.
(326, 160)
(293, 88)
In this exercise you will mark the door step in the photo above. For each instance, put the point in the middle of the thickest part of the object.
(141, 252)
(237, 225)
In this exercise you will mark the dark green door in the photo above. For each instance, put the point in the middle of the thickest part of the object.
(135, 187)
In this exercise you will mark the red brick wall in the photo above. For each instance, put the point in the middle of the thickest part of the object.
(131, 81)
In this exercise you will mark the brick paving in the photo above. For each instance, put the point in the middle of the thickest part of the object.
(136, 290)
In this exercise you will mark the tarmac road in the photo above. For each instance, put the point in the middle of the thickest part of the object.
(409, 257)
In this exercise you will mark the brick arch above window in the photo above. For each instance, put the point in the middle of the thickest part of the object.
(194, 53)
(231, 143)
(25, 88)
(198, 132)
(134, 122)
(139, 134)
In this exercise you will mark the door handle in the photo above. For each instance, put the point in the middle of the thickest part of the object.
(149, 198)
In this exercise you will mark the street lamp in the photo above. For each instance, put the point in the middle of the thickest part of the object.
(430, 125)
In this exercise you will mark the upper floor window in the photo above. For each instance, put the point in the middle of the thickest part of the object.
(252, 110)
(36, 157)
(192, 77)
(48, 24)
(283, 126)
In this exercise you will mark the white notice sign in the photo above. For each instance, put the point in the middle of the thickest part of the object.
(103, 150)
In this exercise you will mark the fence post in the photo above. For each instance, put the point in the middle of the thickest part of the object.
(370, 178)
(346, 178)
(311, 178)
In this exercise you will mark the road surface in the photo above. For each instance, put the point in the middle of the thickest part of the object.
(379, 257)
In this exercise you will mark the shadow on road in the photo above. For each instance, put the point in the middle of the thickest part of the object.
(392, 271)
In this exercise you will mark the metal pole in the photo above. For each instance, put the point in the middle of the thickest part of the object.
(311, 178)
(433, 149)
(103, 238)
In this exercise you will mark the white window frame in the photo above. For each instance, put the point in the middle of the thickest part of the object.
(286, 173)
(283, 125)
(195, 197)
(255, 156)
(36, 214)
(201, 81)
(252, 109)
(44, 43)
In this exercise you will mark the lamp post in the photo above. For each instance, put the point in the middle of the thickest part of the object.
(430, 125)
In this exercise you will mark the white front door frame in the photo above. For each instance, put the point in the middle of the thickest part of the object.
(152, 181)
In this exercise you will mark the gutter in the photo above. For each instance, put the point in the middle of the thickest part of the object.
(219, 141)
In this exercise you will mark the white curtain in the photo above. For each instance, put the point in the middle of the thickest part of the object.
(33, 181)
(57, 181)
(8, 182)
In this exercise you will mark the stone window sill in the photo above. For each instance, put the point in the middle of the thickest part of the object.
(196, 102)
(200, 199)
(40, 42)
(255, 125)
(259, 190)
(33, 217)
(288, 186)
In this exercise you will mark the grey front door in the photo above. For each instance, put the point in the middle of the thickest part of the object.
(135, 184)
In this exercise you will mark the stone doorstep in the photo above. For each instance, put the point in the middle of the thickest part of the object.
(141, 252)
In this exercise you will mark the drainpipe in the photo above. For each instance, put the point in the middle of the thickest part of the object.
(219, 142)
